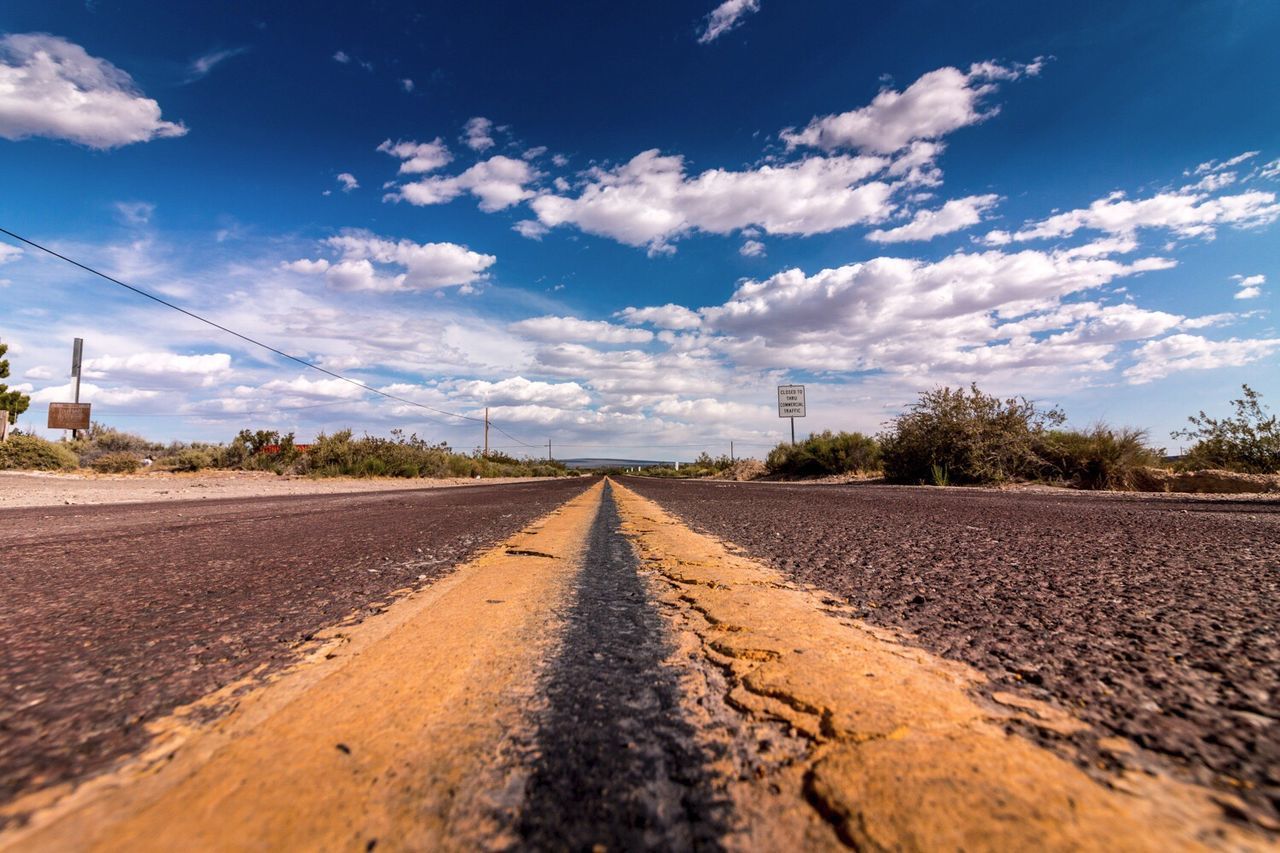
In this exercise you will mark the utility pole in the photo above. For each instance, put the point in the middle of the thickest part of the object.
(77, 354)
(548, 449)
(486, 430)
(731, 459)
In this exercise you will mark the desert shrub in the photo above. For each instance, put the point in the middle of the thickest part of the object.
(99, 440)
(1099, 458)
(118, 462)
(31, 453)
(712, 464)
(825, 453)
(1248, 442)
(188, 459)
(341, 454)
(965, 436)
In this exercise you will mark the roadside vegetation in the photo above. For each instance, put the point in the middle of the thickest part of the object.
(826, 453)
(1247, 442)
(13, 402)
(949, 436)
(963, 436)
(110, 451)
(705, 465)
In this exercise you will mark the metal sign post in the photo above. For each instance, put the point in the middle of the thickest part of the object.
(77, 354)
(791, 405)
(72, 416)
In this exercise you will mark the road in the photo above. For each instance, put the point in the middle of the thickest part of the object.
(1153, 619)
(116, 614)
(572, 665)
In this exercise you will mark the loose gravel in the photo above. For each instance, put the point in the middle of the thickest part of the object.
(1152, 619)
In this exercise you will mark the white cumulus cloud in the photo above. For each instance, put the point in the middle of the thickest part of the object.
(649, 201)
(1159, 358)
(669, 316)
(418, 157)
(1186, 214)
(51, 87)
(517, 390)
(478, 133)
(955, 215)
(498, 183)
(936, 104)
(369, 262)
(560, 329)
(1250, 286)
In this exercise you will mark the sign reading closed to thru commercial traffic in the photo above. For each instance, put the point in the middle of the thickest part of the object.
(791, 401)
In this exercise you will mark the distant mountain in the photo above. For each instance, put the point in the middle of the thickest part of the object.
(615, 463)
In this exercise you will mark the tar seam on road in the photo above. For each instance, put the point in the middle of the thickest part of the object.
(618, 764)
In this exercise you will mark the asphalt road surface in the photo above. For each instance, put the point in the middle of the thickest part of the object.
(112, 615)
(1156, 619)
(597, 674)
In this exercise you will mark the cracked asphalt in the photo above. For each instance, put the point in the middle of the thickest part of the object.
(115, 614)
(1150, 618)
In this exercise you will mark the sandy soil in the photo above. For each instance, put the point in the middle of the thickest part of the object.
(30, 488)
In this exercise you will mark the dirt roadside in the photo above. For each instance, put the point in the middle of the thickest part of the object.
(31, 488)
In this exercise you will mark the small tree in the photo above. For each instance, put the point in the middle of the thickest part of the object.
(15, 402)
(1248, 442)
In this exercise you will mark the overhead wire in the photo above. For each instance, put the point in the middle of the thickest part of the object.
(302, 361)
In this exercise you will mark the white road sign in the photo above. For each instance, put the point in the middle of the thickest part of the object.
(791, 401)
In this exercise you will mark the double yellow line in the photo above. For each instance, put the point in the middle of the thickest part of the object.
(402, 731)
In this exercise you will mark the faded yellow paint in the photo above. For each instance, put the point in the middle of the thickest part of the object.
(393, 732)
(904, 756)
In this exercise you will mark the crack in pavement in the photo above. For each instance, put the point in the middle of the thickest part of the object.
(619, 763)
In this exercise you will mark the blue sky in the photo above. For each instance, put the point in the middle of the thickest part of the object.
(620, 228)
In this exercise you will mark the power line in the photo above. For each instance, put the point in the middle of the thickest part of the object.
(255, 342)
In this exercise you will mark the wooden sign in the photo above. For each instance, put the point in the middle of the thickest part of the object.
(68, 416)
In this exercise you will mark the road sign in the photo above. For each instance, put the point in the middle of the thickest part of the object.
(69, 415)
(791, 401)
(77, 353)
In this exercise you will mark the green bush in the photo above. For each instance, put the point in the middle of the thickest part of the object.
(1249, 442)
(187, 459)
(117, 463)
(825, 453)
(965, 437)
(30, 453)
(341, 455)
(1101, 458)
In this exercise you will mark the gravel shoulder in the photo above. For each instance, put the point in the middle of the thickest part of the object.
(1153, 619)
(32, 488)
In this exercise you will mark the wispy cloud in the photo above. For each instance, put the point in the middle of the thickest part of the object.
(202, 65)
(726, 17)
